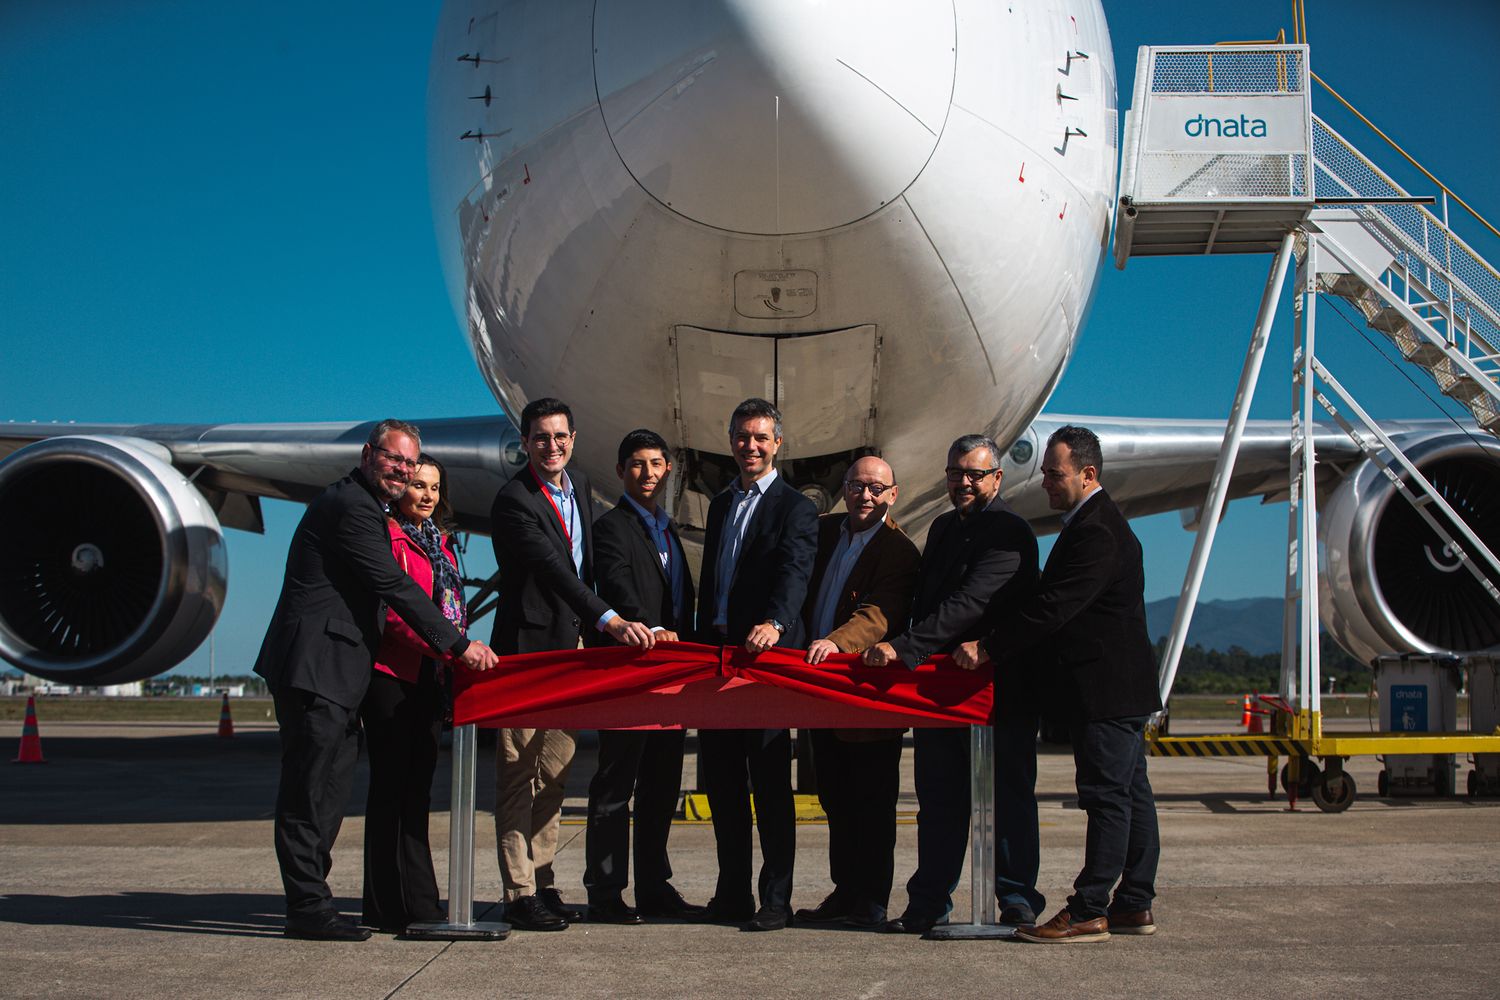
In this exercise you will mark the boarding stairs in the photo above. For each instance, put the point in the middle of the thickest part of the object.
(1414, 281)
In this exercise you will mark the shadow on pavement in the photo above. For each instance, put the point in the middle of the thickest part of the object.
(231, 914)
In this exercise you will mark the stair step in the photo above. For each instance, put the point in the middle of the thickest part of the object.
(1464, 389)
(1416, 348)
(1345, 286)
(1388, 320)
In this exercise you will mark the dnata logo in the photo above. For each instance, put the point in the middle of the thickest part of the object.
(1242, 127)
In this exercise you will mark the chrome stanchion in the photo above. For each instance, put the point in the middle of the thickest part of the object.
(982, 923)
(460, 925)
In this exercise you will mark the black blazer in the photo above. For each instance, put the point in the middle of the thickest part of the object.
(543, 602)
(340, 575)
(630, 576)
(1086, 622)
(971, 568)
(775, 564)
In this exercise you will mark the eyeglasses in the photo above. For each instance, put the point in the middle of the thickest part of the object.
(974, 476)
(395, 459)
(877, 490)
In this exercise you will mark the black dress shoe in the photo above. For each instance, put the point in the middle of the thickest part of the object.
(719, 912)
(910, 923)
(324, 925)
(667, 902)
(1017, 916)
(768, 918)
(865, 916)
(529, 914)
(831, 910)
(613, 911)
(553, 901)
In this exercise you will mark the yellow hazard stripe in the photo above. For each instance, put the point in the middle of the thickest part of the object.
(808, 808)
(1222, 746)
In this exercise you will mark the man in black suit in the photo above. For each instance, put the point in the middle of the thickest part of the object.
(317, 658)
(643, 573)
(757, 559)
(541, 525)
(1087, 623)
(980, 557)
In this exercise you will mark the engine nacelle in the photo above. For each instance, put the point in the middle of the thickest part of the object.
(1389, 585)
(113, 568)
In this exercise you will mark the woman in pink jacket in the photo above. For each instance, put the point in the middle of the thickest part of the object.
(403, 714)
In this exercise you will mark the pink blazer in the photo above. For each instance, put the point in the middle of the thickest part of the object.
(401, 650)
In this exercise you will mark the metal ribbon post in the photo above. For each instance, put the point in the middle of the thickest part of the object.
(460, 925)
(982, 923)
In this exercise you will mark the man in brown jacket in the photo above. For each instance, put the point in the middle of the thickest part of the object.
(860, 594)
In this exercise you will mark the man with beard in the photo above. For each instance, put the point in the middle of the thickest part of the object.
(318, 655)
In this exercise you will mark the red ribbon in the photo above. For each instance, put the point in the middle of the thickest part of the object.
(682, 685)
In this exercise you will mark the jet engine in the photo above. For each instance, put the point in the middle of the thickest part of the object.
(113, 567)
(1390, 584)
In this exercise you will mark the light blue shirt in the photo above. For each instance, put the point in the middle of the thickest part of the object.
(660, 525)
(845, 554)
(566, 499)
(742, 504)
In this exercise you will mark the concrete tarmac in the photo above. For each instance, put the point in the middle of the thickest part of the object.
(138, 863)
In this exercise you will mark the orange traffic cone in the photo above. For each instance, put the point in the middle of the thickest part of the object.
(31, 739)
(1245, 714)
(1256, 725)
(226, 724)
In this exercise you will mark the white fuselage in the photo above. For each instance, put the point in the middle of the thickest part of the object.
(888, 217)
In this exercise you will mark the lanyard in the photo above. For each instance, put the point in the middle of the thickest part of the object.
(555, 508)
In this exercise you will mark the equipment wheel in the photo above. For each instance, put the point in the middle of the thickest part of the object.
(1383, 783)
(1334, 791)
(1308, 774)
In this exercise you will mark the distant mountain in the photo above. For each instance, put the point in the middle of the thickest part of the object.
(1251, 623)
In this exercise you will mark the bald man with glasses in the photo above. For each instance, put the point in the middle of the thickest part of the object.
(980, 558)
(860, 593)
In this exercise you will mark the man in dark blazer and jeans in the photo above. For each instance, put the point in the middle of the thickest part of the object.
(1086, 627)
(317, 658)
(757, 559)
(542, 527)
(980, 557)
(642, 572)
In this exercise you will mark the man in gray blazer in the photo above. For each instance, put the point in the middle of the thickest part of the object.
(317, 657)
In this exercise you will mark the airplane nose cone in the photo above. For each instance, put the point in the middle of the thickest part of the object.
(774, 116)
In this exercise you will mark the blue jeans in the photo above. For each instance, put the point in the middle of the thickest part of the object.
(1122, 843)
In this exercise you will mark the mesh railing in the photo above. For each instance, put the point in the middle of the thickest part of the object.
(1218, 175)
(1422, 246)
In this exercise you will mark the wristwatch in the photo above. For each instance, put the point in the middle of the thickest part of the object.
(777, 626)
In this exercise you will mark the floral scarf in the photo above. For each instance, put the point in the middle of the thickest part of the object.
(447, 588)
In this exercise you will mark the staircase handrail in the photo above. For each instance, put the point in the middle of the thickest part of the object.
(1409, 158)
(1399, 238)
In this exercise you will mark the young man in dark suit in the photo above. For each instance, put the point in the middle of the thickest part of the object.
(542, 530)
(860, 593)
(642, 572)
(980, 557)
(1086, 627)
(757, 558)
(317, 658)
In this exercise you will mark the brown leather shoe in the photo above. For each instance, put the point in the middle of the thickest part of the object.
(1064, 929)
(1132, 922)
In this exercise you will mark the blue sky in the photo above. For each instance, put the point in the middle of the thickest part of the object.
(215, 213)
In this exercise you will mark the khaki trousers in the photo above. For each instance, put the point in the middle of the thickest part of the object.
(531, 770)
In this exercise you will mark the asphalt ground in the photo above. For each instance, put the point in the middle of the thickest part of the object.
(138, 862)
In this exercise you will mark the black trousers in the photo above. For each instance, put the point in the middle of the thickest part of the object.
(1122, 843)
(647, 765)
(858, 785)
(319, 743)
(733, 761)
(402, 725)
(940, 765)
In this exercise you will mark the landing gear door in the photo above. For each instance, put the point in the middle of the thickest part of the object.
(715, 373)
(826, 390)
